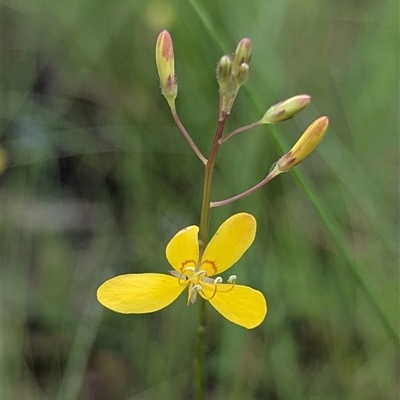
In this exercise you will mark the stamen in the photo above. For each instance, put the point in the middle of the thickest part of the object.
(217, 280)
(215, 291)
(232, 281)
(193, 297)
(184, 281)
(182, 278)
(202, 274)
(190, 269)
(193, 293)
(197, 288)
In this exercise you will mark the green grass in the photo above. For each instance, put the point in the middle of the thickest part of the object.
(99, 179)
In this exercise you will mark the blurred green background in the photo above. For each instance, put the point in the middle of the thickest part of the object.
(98, 179)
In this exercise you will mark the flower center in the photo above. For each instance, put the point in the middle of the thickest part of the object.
(196, 280)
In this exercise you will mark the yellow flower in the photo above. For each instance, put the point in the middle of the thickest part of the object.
(149, 292)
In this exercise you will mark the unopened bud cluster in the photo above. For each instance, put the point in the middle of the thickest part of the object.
(232, 73)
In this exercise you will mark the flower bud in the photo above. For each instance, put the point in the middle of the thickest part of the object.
(224, 72)
(242, 54)
(308, 141)
(286, 109)
(166, 68)
(242, 74)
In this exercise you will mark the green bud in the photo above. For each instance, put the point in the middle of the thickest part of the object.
(242, 74)
(231, 74)
(242, 55)
(286, 109)
(224, 72)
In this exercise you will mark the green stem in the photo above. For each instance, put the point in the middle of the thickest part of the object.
(200, 361)
(203, 239)
(187, 136)
(268, 178)
(209, 169)
(240, 130)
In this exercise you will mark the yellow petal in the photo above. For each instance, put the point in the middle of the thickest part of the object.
(183, 249)
(242, 305)
(229, 243)
(139, 293)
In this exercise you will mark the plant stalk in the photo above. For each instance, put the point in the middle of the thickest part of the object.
(240, 130)
(268, 178)
(203, 240)
(187, 137)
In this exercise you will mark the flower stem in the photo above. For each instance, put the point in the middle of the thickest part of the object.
(240, 130)
(209, 169)
(200, 358)
(187, 136)
(269, 177)
(203, 240)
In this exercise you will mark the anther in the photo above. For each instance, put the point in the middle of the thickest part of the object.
(232, 279)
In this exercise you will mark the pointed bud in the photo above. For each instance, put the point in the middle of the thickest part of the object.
(286, 109)
(308, 141)
(242, 54)
(224, 72)
(166, 67)
(242, 74)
